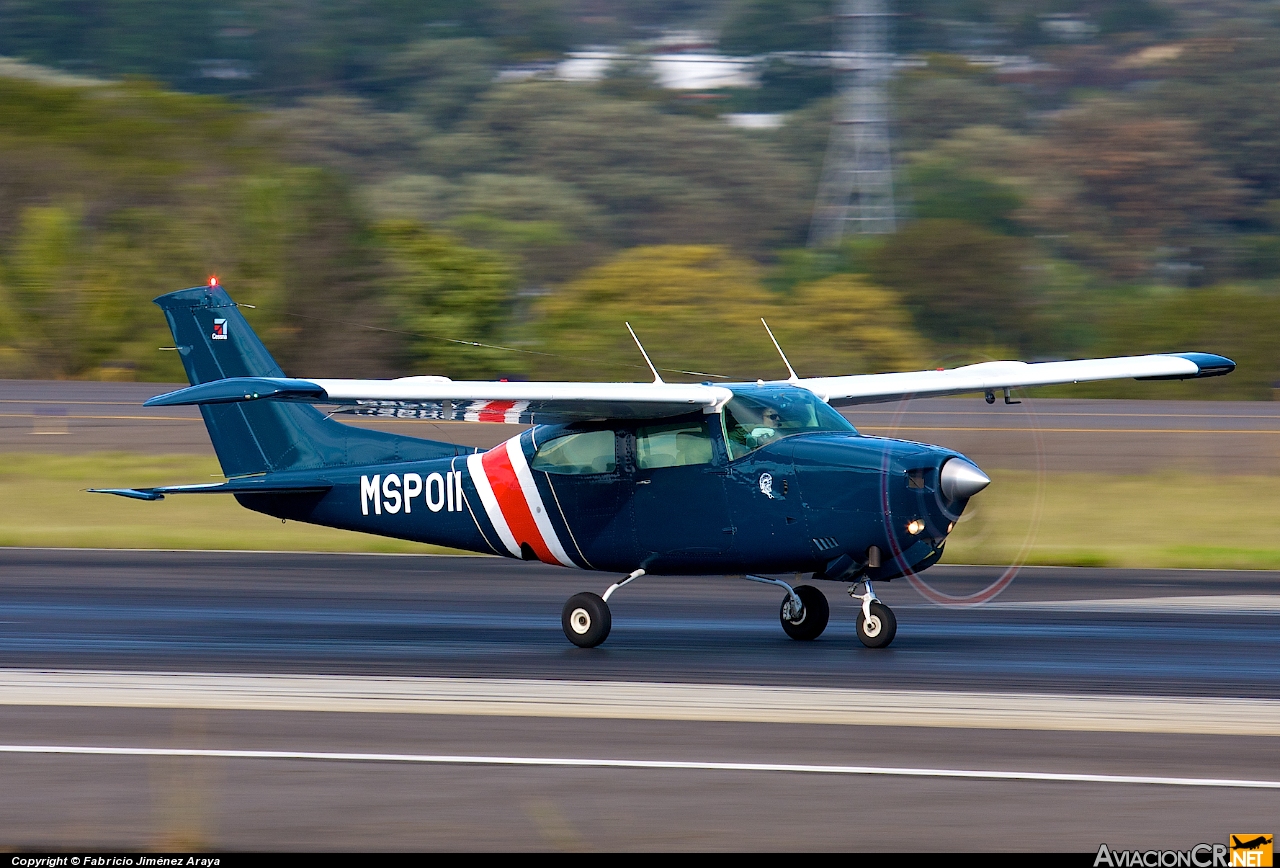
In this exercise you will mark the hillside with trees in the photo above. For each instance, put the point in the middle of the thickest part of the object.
(386, 181)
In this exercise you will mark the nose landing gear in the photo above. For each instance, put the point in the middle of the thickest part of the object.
(876, 623)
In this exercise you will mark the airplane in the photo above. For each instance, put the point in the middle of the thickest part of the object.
(743, 479)
(1252, 844)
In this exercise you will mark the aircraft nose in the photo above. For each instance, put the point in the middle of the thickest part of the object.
(961, 479)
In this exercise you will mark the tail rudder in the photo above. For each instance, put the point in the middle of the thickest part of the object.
(215, 342)
(213, 337)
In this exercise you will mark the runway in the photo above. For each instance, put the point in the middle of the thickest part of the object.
(1082, 688)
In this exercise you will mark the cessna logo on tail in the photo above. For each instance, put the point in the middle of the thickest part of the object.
(391, 493)
(219, 330)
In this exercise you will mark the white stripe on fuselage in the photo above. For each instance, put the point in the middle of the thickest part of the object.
(534, 498)
(476, 467)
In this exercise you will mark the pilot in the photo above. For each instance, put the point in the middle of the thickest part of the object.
(770, 421)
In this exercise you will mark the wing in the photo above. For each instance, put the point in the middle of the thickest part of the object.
(466, 401)
(483, 401)
(993, 376)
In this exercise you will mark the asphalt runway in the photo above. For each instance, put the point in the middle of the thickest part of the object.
(1102, 436)
(353, 773)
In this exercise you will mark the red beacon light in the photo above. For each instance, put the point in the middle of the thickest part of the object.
(213, 281)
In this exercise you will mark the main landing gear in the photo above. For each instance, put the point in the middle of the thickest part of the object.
(804, 614)
(805, 611)
(585, 617)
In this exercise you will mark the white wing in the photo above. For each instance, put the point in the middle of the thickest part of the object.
(485, 401)
(482, 401)
(993, 376)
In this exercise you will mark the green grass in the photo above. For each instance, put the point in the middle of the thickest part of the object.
(1159, 520)
(45, 505)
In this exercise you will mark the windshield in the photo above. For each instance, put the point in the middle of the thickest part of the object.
(755, 417)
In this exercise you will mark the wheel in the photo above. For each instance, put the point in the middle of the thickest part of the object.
(813, 618)
(879, 630)
(586, 620)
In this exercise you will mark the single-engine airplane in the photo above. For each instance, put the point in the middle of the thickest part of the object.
(748, 479)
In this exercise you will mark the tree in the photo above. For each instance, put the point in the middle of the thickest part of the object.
(929, 105)
(964, 284)
(1227, 86)
(450, 297)
(698, 309)
(1143, 185)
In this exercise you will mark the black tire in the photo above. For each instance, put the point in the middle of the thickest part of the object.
(586, 620)
(883, 627)
(813, 620)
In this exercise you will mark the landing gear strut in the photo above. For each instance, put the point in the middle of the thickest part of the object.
(586, 618)
(805, 611)
(876, 623)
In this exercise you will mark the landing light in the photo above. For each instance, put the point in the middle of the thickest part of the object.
(915, 527)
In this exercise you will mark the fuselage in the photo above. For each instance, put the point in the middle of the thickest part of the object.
(704, 494)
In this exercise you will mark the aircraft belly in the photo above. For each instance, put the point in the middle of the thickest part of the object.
(423, 502)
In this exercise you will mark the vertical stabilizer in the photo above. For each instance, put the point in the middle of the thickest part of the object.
(216, 342)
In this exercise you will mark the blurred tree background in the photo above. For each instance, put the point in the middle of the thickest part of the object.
(386, 180)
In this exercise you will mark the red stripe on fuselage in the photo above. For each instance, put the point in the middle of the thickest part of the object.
(496, 411)
(510, 497)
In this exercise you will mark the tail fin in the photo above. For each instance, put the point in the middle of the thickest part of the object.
(216, 342)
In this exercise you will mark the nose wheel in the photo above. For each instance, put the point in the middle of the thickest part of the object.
(876, 623)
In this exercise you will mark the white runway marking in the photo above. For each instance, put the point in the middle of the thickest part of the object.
(678, 765)
(622, 700)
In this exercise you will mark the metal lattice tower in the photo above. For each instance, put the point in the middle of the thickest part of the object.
(856, 192)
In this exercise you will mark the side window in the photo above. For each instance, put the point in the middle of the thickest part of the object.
(588, 452)
(674, 444)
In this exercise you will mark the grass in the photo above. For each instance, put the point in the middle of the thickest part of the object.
(1082, 519)
(1159, 520)
(46, 505)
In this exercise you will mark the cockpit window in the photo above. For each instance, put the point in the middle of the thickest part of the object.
(577, 454)
(672, 444)
(760, 416)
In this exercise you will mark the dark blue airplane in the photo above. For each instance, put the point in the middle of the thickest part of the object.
(745, 479)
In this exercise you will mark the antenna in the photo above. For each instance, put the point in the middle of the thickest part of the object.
(793, 378)
(656, 377)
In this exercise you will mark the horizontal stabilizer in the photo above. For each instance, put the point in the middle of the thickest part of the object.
(233, 486)
(235, 389)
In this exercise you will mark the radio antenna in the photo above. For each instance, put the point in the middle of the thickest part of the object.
(656, 377)
(793, 378)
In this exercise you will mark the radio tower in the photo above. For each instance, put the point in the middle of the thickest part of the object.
(856, 191)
